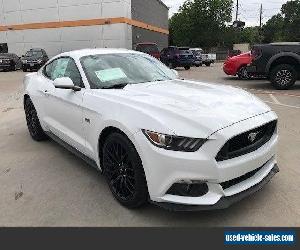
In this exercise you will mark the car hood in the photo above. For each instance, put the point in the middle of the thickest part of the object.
(191, 108)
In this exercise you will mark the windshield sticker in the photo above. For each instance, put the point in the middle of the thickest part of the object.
(112, 74)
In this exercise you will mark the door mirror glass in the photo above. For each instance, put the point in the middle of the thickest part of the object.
(65, 83)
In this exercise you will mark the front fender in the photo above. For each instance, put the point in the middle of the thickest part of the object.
(282, 54)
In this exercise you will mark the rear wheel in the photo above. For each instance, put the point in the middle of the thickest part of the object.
(124, 172)
(187, 67)
(34, 127)
(283, 76)
(207, 64)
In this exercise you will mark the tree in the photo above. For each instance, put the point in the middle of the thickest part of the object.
(273, 29)
(285, 25)
(291, 14)
(201, 23)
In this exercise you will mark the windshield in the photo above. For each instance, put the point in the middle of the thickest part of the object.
(108, 70)
(34, 54)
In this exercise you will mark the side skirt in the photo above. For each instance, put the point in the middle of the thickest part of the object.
(73, 150)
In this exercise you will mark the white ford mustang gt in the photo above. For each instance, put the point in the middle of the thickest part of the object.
(182, 145)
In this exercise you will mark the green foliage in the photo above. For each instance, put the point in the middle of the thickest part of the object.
(273, 29)
(291, 16)
(284, 26)
(205, 23)
(201, 23)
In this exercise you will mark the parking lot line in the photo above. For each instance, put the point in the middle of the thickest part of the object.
(284, 105)
(274, 99)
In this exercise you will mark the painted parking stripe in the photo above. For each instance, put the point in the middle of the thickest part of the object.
(274, 99)
(283, 105)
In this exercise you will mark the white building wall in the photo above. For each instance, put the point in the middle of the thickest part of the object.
(57, 40)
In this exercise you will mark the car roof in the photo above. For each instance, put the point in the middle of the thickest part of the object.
(286, 43)
(77, 54)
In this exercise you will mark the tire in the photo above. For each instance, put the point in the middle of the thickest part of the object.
(24, 69)
(243, 73)
(283, 76)
(171, 65)
(123, 170)
(207, 64)
(187, 67)
(34, 127)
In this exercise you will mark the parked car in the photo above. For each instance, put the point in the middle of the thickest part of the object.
(175, 57)
(198, 56)
(279, 62)
(237, 65)
(232, 53)
(10, 62)
(182, 145)
(208, 59)
(148, 48)
(34, 59)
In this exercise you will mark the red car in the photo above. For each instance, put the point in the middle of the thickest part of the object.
(149, 48)
(237, 65)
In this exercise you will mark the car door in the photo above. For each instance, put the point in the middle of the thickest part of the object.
(63, 107)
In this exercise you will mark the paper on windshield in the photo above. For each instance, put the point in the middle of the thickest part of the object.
(112, 74)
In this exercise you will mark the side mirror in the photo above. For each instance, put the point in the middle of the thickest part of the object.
(176, 73)
(65, 83)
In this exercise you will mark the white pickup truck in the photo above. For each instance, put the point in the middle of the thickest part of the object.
(207, 59)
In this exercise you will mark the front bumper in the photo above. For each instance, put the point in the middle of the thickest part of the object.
(5, 66)
(224, 202)
(165, 168)
(32, 65)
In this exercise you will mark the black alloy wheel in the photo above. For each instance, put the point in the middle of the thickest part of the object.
(124, 171)
(243, 73)
(283, 76)
(34, 127)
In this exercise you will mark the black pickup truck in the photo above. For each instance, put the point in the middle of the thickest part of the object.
(279, 62)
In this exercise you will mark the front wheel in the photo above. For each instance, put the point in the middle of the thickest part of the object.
(243, 73)
(34, 127)
(124, 172)
(187, 67)
(283, 76)
(207, 64)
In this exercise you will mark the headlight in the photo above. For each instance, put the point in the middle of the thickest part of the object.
(39, 61)
(175, 143)
(24, 61)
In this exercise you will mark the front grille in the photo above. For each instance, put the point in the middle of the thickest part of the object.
(4, 61)
(247, 142)
(228, 184)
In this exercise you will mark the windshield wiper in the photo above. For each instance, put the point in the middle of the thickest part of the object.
(116, 86)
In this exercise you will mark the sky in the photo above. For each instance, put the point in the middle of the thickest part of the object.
(248, 10)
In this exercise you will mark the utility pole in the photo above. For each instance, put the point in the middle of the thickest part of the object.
(260, 15)
(237, 10)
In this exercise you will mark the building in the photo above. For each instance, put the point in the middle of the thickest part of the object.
(64, 25)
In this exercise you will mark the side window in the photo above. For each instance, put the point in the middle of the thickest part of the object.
(48, 69)
(60, 68)
(64, 67)
(73, 72)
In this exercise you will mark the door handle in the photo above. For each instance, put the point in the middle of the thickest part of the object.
(46, 92)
